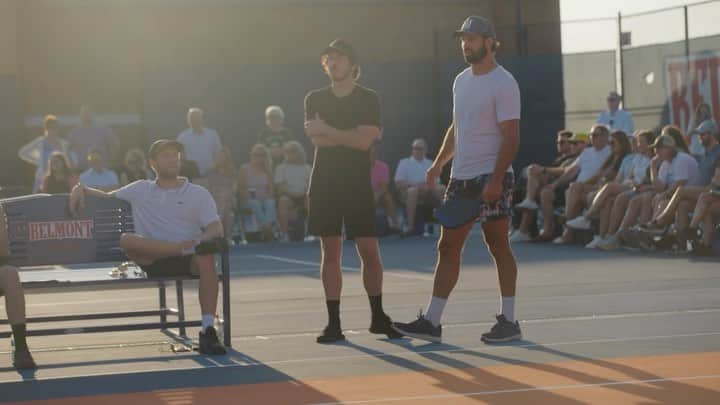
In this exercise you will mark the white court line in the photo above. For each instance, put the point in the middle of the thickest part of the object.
(405, 353)
(531, 389)
(308, 263)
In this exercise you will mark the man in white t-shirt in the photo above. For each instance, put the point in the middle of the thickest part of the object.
(177, 230)
(98, 175)
(676, 169)
(292, 178)
(201, 144)
(411, 183)
(583, 172)
(616, 118)
(482, 141)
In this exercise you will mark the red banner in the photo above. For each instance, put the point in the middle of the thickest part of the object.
(59, 230)
(685, 93)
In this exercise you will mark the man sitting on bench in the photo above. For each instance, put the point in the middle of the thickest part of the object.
(11, 288)
(177, 230)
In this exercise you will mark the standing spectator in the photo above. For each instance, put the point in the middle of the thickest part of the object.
(616, 118)
(38, 151)
(135, 168)
(221, 184)
(98, 176)
(702, 114)
(90, 135)
(410, 180)
(255, 190)
(274, 135)
(292, 179)
(201, 144)
(59, 178)
(380, 180)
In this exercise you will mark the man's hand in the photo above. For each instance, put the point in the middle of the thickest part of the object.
(77, 199)
(432, 175)
(316, 127)
(492, 191)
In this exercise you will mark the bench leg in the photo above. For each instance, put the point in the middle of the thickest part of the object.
(163, 305)
(181, 307)
(226, 298)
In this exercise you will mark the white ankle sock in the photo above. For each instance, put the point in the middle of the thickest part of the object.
(508, 308)
(435, 310)
(207, 320)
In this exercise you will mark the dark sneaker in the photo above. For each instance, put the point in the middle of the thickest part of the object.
(420, 328)
(209, 343)
(23, 360)
(503, 331)
(212, 246)
(383, 326)
(703, 250)
(330, 335)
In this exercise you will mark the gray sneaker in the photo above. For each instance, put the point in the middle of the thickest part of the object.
(503, 331)
(420, 328)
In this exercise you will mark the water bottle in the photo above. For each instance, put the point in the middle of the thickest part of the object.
(219, 326)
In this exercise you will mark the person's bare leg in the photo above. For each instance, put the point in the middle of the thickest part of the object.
(682, 218)
(684, 193)
(605, 219)
(705, 200)
(633, 211)
(390, 210)
(284, 205)
(208, 286)
(11, 287)
(370, 265)
(617, 212)
(535, 180)
(447, 267)
(148, 250)
(528, 217)
(411, 202)
(547, 201)
(495, 233)
(574, 200)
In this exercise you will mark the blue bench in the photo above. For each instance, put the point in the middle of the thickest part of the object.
(59, 252)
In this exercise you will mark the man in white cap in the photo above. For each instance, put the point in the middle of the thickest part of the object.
(615, 118)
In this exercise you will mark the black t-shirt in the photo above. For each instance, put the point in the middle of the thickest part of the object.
(340, 169)
(273, 139)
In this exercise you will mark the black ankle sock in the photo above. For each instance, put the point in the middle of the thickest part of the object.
(19, 336)
(333, 308)
(376, 307)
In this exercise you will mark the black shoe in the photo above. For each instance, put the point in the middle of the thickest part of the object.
(23, 360)
(212, 246)
(503, 331)
(383, 326)
(209, 343)
(420, 328)
(703, 250)
(330, 335)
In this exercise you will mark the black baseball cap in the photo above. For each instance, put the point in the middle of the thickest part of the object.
(343, 47)
(477, 25)
(162, 144)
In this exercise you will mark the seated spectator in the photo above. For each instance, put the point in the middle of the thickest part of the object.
(98, 175)
(60, 177)
(274, 135)
(255, 191)
(380, 179)
(90, 135)
(177, 230)
(702, 113)
(292, 179)
(707, 213)
(134, 169)
(686, 196)
(201, 144)
(538, 176)
(410, 180)
(11, 288)
(221, 183)
(621, 163)
(585, 171)
(39, 150)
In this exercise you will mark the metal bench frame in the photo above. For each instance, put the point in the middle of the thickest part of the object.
(118, 215)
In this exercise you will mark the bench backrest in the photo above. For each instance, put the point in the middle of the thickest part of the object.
(42, 231)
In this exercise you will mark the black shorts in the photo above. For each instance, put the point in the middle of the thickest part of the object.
(473, 189)
(328, 213)
(177, 266)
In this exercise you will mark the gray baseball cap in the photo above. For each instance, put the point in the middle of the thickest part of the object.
(477, 25)
(707, 126)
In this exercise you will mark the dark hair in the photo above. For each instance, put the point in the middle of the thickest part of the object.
(647, 134)
(700, 106)
(356, 70)
(605, 130)
(66, 165)
(613, 160)
(677, 136)
(564, 133)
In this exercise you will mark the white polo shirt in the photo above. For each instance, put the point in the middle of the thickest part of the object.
(173, 215)
(412, 171)
(590, 161)
(202, 148)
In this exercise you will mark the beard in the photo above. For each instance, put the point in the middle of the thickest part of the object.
(477, 56)
(168, 173)
(340, 76)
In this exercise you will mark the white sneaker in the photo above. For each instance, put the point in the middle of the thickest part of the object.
(527, 204)
(580, 223)
(559, 240)
(597, 240)
(610, 243)
(519, 237)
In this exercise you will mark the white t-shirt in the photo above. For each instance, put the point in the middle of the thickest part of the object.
(683, 167)
(480, 104)
(106, 179)
(201, 148)
(639, 169)
(295, 177)
(618, 120)
(173, 215)
(590, 161)
(412, 171)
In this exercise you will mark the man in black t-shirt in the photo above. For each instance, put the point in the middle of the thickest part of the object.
(342, 121)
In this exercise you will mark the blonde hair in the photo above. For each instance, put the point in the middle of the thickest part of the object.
(295, 145)
(267, 164)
